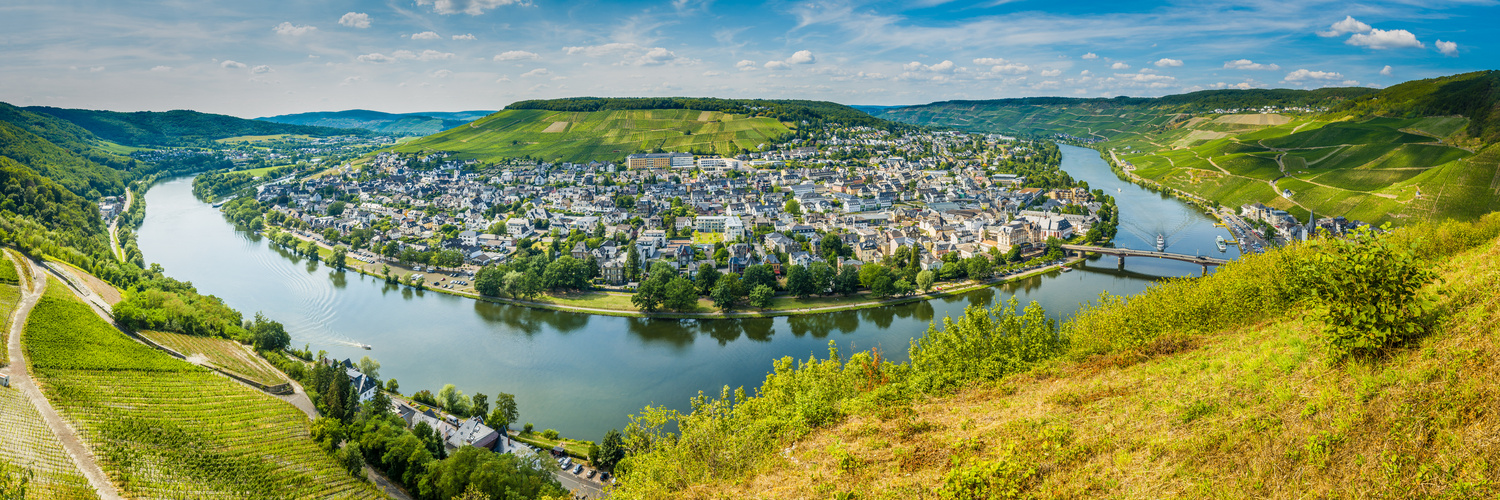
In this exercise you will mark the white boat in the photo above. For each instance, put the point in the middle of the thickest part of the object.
(365, 346)
(1161, 243)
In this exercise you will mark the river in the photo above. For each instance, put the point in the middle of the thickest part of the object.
(583, 374)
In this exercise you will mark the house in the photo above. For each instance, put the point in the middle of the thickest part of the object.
(362, 385)
(473, 432)
(469, 238)
(613, 271)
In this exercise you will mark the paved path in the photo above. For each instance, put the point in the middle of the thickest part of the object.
(21, 379)
(114, 239)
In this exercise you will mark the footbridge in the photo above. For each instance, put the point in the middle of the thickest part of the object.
(1122, 253)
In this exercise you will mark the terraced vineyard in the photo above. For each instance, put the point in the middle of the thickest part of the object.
(599, 135)
(164, 428)
(1376, 169)
(27, 442)
(224, 354)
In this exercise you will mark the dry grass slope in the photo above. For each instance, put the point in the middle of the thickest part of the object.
(1253, 412)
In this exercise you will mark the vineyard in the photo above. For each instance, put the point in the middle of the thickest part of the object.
(223, 354)
(28, 443)
(164, 428)
(10, 296)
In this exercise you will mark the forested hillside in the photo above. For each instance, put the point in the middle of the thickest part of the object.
(176, 128)
(1418, 151)
(406, 124)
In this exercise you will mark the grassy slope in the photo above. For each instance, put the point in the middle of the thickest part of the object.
(1252, 411)
(1353, 161)
(598, 135)
(222, 353)
(165, 428)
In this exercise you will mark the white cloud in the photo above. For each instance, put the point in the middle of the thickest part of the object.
(536, 72)
(426, 35)
(290, 29)
(161, 69)
(1245, 85)
(1010, 69)
(1144, 77)
(745, 65)
(1085, 73)
(1349, 83)
(1119, 66)
(1248, 64)
(658, 56)
(943, 67)
(515, 55)
(355, 20)
(442, 73)
(1348, 25)
(405, 55)
(231, 64)
(1165, 62)
(96, 69)
(260, 69)
(713, 73)
(601, 50)
(989, 61)
(1091, 55)
(1050, 73)
(1303, 75)
(426, 55)
(1447, 48)
(1386, 71)
(351, 81)
(803, 57)
(467, 36)
(777, 65)
(1382, 39)
(470, 7)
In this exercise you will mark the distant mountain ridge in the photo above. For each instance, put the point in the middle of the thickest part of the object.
(410, 124)
(176, 128)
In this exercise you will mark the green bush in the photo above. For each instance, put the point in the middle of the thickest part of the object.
(1372, 293)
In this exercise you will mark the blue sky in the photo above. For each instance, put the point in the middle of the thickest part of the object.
(259, 58)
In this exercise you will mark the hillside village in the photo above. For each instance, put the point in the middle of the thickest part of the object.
(936, 192)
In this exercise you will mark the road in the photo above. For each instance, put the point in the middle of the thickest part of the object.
(21, 379)
(114, 239)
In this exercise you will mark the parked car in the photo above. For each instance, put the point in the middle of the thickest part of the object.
(578, 469)
(592, 473)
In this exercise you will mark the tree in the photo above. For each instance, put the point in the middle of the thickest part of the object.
(727, 292)
(822, 276)
(326, 432)
(632, 264)
(799, 282)
(648, 296)
(479, 405)
(979, 267)
(392, 386)
(847, 281)
(611, 450)
(902, 288)
(453, 400)
(708, 275)
(268, 335)
(759, 275)
(831, 247)
(352, 459)
(792, 207)
(339, 257)
(448, 258)
(369, 367)
(761, 296)
(869, 272)
(505, 412)
(681, 295)
(882, 286)
(565, 272)
(925, 280)
(490, 281)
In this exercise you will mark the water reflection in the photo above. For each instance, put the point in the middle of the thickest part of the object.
(529, 321)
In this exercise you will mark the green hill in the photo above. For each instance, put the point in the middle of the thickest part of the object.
(1422, 150)
(406, 124)
(585, 129)
(177, 128)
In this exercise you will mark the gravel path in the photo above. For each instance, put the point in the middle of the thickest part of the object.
(21, 379)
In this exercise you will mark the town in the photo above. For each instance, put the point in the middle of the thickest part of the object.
(840, 196)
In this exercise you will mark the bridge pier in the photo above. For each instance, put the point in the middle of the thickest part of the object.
(1121, 264)
(1205, 269)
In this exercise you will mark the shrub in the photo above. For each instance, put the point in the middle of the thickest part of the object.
(1372, 293)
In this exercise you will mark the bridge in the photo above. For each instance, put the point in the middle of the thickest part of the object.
(1122, 253)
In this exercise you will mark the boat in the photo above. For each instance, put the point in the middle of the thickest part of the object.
(1222, 246)
(1067, 269)
(1161, 243)
(365, 346)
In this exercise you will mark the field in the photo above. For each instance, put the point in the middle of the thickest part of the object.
(223, 354)
(244, 139)
(164, 428)
(600, 135)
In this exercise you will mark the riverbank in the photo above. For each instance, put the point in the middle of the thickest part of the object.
(609, 303)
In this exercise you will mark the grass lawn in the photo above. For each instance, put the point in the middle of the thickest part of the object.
(575, 448)
(707, 238)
